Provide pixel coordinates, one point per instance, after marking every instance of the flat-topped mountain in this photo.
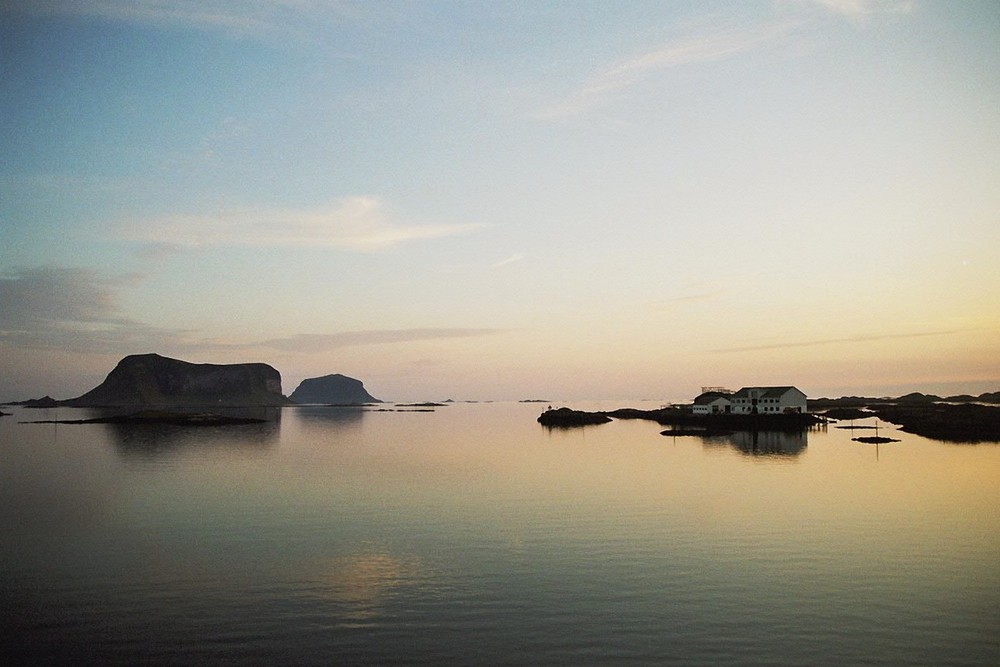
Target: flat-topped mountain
(149, 379)
(332, 390)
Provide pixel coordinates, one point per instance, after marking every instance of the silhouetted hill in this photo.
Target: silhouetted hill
(149, 379)
(917, 397)
(43, 402)
(333, 389)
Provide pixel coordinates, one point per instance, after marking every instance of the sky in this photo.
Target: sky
(504, 200)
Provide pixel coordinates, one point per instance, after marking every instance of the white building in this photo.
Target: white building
(768, 400)
(750, 400)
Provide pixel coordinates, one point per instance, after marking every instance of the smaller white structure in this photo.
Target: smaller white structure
(750, 400)
(712, 402)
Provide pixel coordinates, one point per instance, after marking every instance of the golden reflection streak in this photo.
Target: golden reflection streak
(360, 581)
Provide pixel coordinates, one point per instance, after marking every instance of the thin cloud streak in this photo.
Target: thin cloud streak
(862, 8)
(356, 223)
(710, 46)
(834, 341)
(72, 309)
(517, 257)
(273, 21)
(309, 343)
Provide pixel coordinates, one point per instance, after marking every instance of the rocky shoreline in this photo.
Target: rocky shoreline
(950, 422)
(682, 418)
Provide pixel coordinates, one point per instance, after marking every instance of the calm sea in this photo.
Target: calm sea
(472, 535)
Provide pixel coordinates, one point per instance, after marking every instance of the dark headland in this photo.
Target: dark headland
(144, 380)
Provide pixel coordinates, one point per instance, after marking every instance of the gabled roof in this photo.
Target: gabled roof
(767, 392)
(710, 397)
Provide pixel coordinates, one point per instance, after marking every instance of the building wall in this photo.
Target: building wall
(718, 406)
(794, 400)
(756, 397)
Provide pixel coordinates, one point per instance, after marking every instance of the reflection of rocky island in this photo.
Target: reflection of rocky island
(332, 390)
(761, 434)
(152, 380)
(161, 417)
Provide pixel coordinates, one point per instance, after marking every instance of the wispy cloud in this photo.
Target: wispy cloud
(72, 309)
(323, 342)
(718, 41)
(77, 309)
(709, 45)
(516, 257)
(270, 20)
(356, 223)
(860, 8)
(835, 341)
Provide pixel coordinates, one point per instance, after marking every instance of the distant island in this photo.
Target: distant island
(146, 380)
(333, 389)
(150, 379)
(167, 390)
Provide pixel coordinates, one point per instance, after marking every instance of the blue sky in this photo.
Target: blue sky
(504, 200)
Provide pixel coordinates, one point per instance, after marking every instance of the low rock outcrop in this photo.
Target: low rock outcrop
(152, 380)
(567, 418)
(333, 389)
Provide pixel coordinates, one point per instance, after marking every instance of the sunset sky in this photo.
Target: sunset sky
(504, 200)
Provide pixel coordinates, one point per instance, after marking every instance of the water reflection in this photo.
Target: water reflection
(762, 443)
(330, 416)
(361, 581)
(154, 440)
(150, 441)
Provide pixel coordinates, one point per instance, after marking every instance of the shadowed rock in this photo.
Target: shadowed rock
(149, 379)
(565, 418)
(332, 390)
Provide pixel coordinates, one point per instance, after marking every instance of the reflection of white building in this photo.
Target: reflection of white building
(751, 400)
(769, 442)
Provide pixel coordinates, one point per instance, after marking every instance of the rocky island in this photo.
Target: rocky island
(333, 389)
(567, 418)
(142, 380)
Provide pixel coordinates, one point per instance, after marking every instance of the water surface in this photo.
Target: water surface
(471, 534)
